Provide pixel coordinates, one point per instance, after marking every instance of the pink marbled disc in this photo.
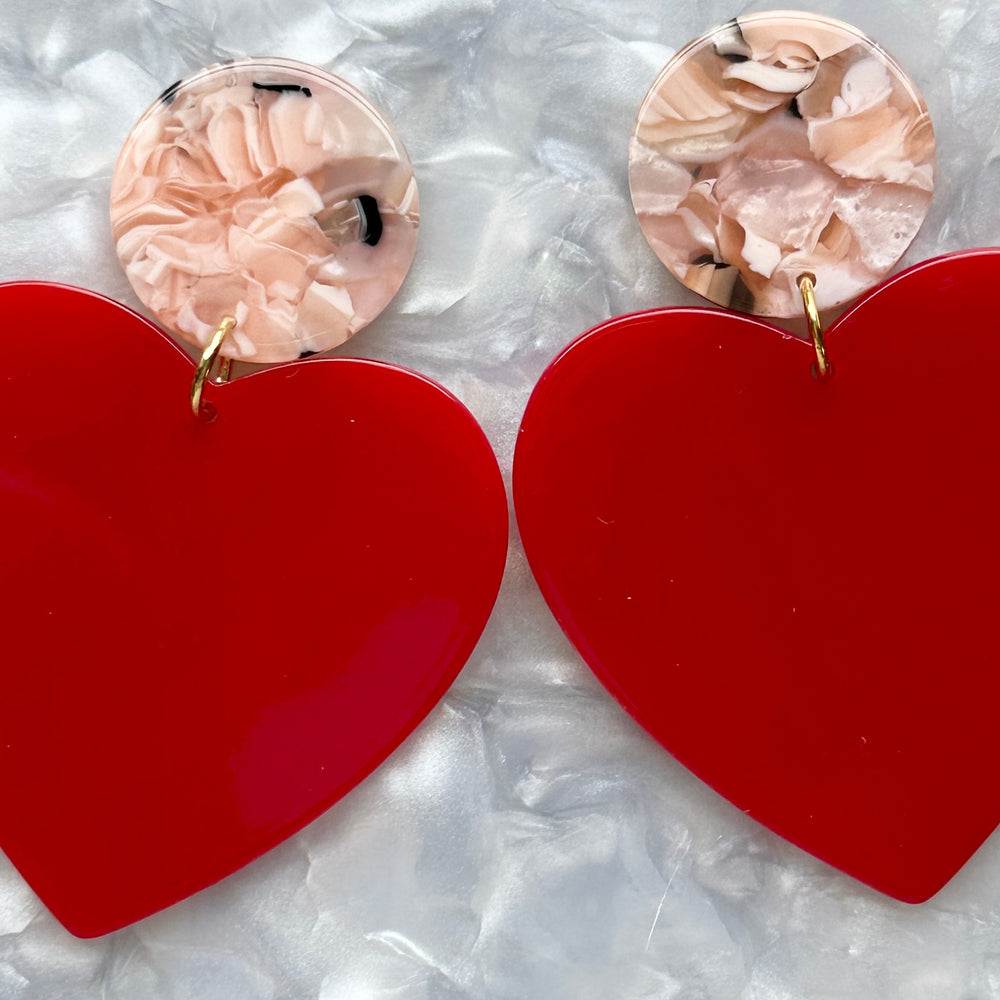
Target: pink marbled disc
(776, 145)
(247, 190)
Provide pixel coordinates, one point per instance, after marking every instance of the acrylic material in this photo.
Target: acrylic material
(214, 629)
(270, 191)
(777, 144)
(790, 583)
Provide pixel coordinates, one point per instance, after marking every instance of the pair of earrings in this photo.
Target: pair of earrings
(226, 607)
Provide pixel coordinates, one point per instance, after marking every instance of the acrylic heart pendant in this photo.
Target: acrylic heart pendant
(213, 630)
(791, 583)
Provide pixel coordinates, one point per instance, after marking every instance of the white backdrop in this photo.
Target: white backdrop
(529, 841)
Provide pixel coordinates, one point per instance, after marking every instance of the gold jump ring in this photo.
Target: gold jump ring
(807, 286)
(211, 352)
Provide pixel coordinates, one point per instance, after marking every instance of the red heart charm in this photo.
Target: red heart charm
(791, 583)
(213, 630)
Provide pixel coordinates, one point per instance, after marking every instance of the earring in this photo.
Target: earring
(778, 553)
(223, 608)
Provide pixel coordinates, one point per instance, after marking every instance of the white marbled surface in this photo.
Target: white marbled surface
(529, 841)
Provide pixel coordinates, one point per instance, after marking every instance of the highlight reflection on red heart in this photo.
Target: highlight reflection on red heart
(791, 583)
(213, 630)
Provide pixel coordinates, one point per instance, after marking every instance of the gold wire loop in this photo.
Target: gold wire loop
(807, 286)
(208, 357)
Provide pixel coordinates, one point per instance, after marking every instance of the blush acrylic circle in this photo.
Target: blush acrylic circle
(777, 145)
(269, 191)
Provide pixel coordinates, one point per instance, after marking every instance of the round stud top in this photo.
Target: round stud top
(269, 191)
(777, 145)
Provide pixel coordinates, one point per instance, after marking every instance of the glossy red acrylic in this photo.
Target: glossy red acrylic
(791, 583)
(213, 630)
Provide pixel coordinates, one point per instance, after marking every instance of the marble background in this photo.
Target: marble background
(529, 841)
